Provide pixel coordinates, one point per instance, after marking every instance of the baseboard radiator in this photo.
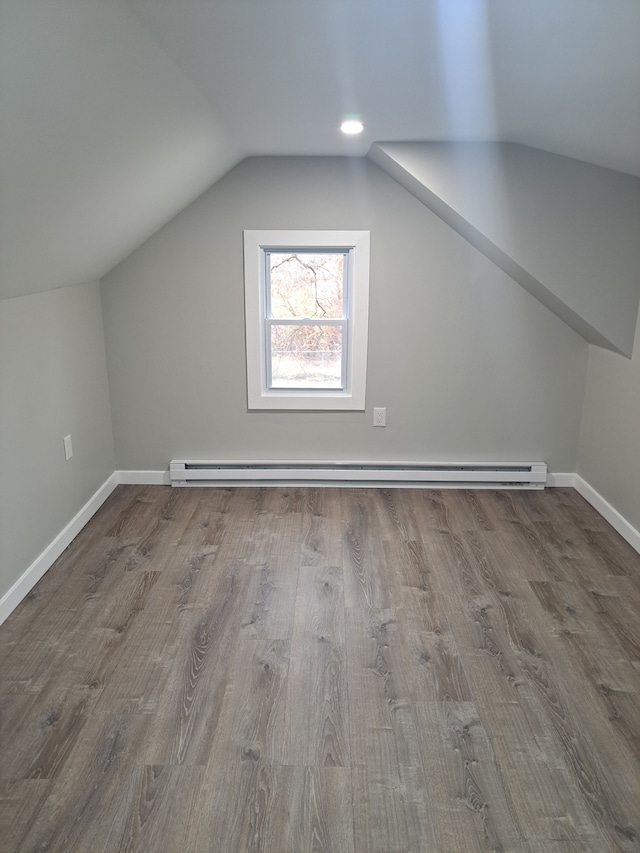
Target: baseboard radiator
(527, 475)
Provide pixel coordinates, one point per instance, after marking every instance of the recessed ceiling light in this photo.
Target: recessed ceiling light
(352, 126)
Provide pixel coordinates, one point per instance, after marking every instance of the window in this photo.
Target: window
(306, 303)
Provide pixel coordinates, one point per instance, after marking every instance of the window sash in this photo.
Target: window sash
(306, 389)
(343, 322)
(298, 250)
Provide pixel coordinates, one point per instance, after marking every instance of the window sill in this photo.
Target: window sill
(321, 401)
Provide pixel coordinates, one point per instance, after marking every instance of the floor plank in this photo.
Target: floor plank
(340, 670)
(317, 713)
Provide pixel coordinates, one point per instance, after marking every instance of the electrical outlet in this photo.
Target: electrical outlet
(68, 449)
(379, 417)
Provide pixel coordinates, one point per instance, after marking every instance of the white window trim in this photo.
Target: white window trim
(352, 398)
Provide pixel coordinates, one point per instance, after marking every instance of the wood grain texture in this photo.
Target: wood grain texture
(344, 670)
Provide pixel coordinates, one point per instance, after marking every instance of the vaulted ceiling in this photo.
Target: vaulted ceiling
(115, 114)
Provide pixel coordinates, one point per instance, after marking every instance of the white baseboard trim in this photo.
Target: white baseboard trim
(25, 583)
(560, 480)
(143, 478)
(608, 512)
(163, 478)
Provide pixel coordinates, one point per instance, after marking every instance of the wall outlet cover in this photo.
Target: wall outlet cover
(379, 417)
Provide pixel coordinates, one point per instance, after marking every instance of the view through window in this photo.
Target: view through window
(307, 296)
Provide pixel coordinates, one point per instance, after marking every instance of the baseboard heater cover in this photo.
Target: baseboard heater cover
(527, 475)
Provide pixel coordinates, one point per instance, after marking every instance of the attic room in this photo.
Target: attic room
(353, 629)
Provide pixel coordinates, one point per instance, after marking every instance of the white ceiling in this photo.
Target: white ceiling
(115, 114)
(557, 74)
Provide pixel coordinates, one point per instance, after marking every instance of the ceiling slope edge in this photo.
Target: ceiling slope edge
(565, 230)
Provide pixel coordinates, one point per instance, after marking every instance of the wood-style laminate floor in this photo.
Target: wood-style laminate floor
(298, 669)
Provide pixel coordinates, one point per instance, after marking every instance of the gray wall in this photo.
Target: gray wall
(53, 382)
(469, 366)
(609, 450)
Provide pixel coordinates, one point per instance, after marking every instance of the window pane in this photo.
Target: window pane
(306, 284)
(306, 356)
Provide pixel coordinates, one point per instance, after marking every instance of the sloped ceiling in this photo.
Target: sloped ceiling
(115, 114)
(562, 75)
(103, 138)
(566, 230)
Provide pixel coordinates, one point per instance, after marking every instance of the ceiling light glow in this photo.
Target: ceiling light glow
(352, 126)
